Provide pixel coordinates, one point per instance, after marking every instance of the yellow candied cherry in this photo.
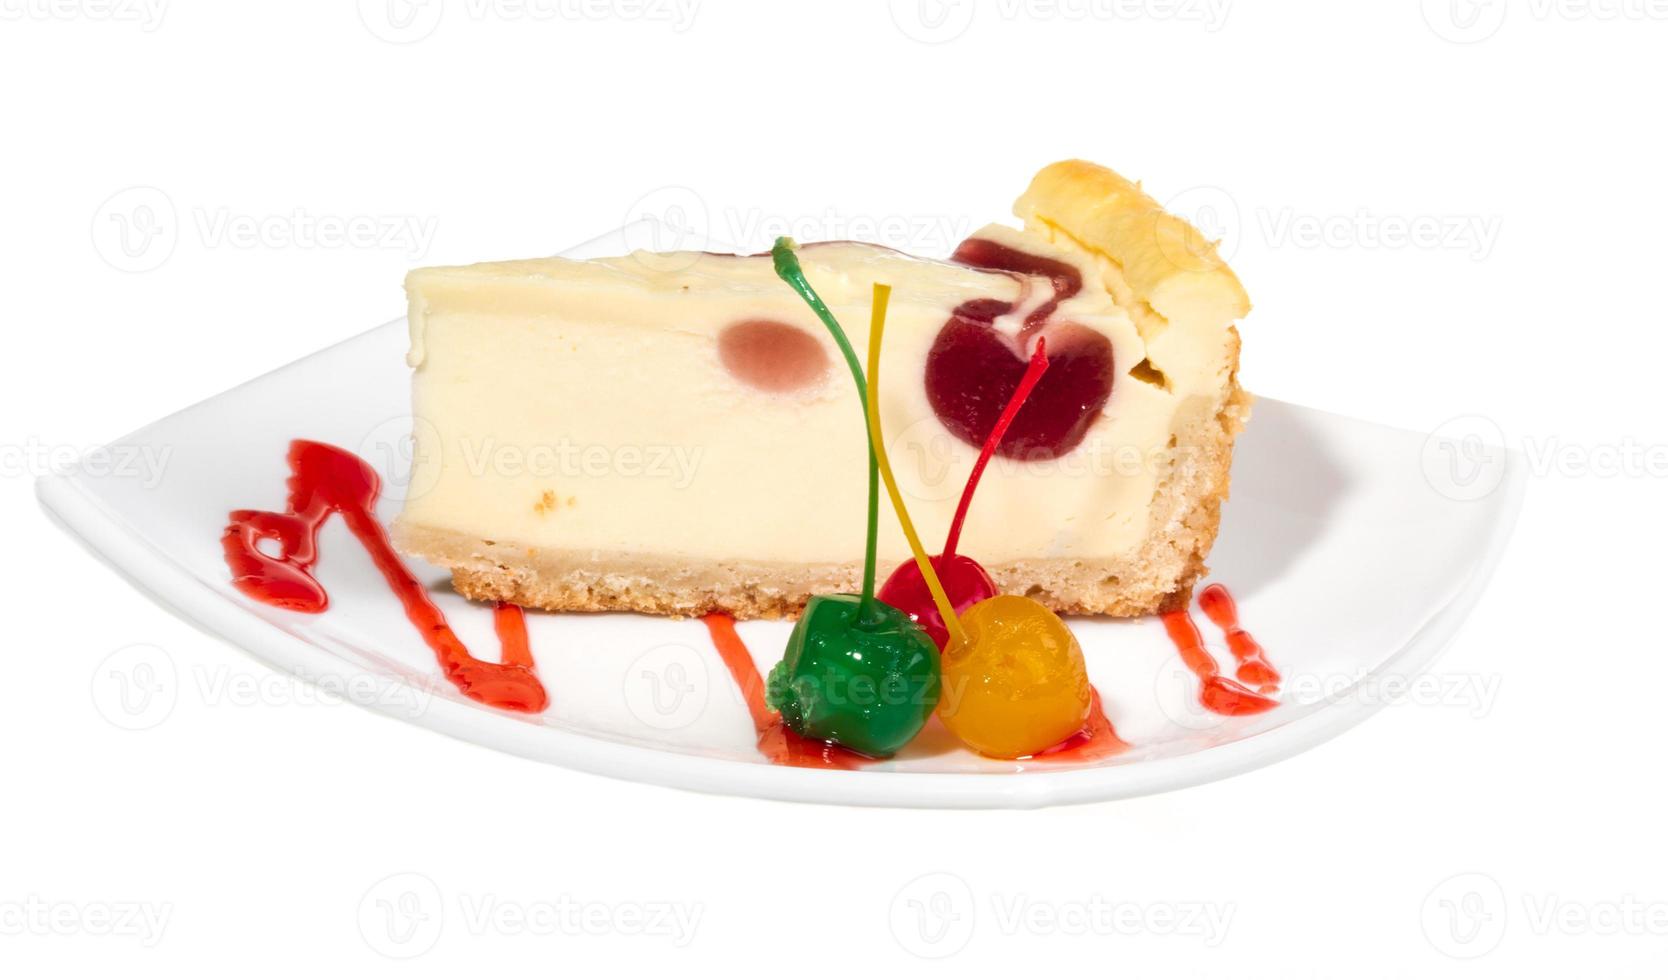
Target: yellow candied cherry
(1013, 679)
(1019, 684)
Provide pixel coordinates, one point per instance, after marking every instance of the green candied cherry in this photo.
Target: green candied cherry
(868, 684)
(856, 671)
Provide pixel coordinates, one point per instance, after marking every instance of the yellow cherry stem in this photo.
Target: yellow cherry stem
(877, 325)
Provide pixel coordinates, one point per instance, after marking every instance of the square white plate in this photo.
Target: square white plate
(1354, 550)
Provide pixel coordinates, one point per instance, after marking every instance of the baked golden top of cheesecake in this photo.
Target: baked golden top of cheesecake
(671, 433)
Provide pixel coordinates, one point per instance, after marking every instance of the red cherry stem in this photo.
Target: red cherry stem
(1033, 374)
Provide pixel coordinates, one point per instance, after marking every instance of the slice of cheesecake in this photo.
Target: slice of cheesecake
(673, 433)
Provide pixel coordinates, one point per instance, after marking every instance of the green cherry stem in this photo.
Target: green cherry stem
(789, 271)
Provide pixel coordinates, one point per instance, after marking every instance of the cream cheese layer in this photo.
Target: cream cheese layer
(595, 407)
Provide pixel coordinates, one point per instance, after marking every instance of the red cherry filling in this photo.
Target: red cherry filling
(974, 369)
(982, 253)
(771, 355)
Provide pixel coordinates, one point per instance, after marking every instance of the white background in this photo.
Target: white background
(1521, 143)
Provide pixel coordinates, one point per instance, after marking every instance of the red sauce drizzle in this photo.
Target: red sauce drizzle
(779, 744)
(1222, 695)
(1097, 740)
(1254, 669)
(325, 480)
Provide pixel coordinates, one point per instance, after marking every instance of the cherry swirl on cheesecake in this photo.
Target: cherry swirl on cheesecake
(974, 368)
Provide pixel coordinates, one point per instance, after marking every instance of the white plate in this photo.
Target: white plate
(1354, 550)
